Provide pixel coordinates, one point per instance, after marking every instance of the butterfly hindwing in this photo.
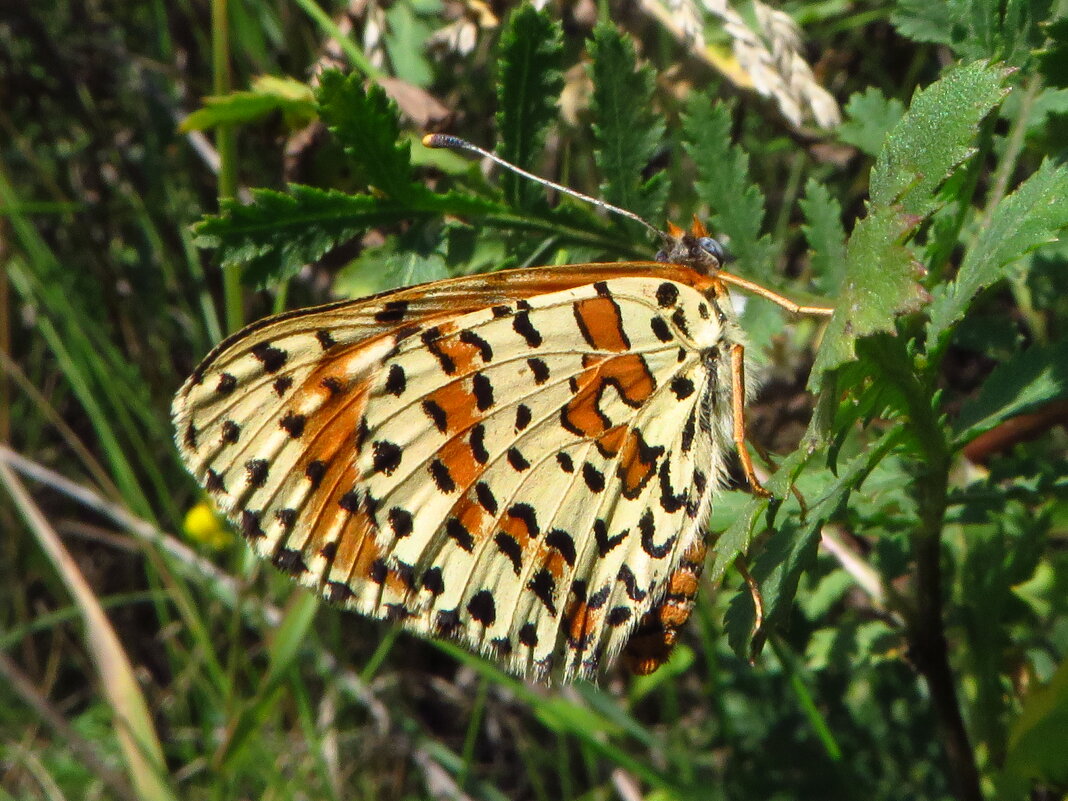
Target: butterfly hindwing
(516, 460)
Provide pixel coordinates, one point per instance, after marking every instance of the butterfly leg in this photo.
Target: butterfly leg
(758, 634)
(656, 634)
(738, 399)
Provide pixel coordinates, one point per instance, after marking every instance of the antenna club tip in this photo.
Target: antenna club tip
(431, 140)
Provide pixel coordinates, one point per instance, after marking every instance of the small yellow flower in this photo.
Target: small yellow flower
(202, 524)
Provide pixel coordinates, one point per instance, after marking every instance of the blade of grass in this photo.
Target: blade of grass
(133, 722)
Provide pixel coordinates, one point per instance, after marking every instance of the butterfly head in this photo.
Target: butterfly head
(693, 248)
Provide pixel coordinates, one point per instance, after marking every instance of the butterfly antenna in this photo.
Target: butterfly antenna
(450, 142)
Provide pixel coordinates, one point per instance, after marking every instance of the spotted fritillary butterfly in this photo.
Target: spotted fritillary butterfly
(523, 461)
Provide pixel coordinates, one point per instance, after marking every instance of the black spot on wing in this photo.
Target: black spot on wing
(482, 608)
(563, 542)
(661, 329)
(400, 520)
(458, 532)
(522, 416)
(469, 337)
(605, 544)
(350, 501)
(526, 513)
(293, 424)
(273, 359)
(387, 457)
(682, 387)
(510, 547)
(290, 561)
(679, 319)
(517, 460)
(315, 471)
(522, 326)
(528, 635)
(325, 338)
(485, 497)
(227, 384)
(483, 389)
(540, 370)
(250, 525)
(543, 585)
(433, 582)
(213, 482)
(593, 477)
(282, 384)
(392, 311)
(231, 432)
(437, 415)
(667, 294)
(647, 527)
(443, 479)
(617, 616)
(626, 577)
(478, 443)
(396, 380)
(257, 470)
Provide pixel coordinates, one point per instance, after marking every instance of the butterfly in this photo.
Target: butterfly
(522, 461)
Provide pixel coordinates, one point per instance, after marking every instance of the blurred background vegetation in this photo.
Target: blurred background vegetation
(146, 654)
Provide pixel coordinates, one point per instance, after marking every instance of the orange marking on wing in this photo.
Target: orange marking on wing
(457, 456)
(655, 636)
(458, 405)
(553, 561)
(612, 440)
(462, 354)
(601, 324)
(581, 623)
(474, 518)
(582, 415)
(357, 549)
(630, 376)
(517, 528)
(634, 470)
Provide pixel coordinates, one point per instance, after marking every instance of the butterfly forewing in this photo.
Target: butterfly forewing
(518, 460)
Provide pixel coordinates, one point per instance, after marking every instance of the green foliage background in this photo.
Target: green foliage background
(916, 629)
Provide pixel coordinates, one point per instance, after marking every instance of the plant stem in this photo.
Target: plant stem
(925, 630)
(226, 145)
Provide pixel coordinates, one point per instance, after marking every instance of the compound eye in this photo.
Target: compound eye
(713, 248)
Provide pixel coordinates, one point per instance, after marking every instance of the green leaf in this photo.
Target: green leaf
(739, 534)
(627, 132)
(921, 151)
(723, 182)
(924, 21)
(974, 29)
(365, 123)
(869, 116)
(1028, 218)
(825, 235)
(268, 94)
(530, 81)
(935, 135)
(277, 233)
(789, 552)
(1035, 377)
(1036, 742)
(880, 285)
(1053, 58)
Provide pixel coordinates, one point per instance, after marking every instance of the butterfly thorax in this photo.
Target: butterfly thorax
(694, 249)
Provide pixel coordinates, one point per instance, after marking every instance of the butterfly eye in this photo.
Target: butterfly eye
(713, 248)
